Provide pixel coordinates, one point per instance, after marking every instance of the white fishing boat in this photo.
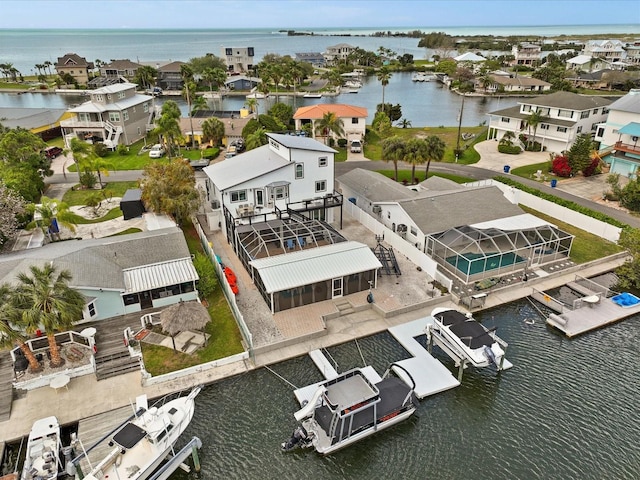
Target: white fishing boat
(256, 95)
(42, 459)
(312, 95)
(423, 77)
(350, 407)
(468, 338)
(144, 442)
(353, 84)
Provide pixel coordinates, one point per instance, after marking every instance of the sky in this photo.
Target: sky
(312, 13)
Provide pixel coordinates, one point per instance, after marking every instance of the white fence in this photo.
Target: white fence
(399, 244)
(222, 281)
(564, 214)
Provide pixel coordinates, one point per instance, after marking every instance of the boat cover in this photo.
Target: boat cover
(129, 436)
(472, 333)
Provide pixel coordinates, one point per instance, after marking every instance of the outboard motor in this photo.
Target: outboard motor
(491, 356)
(299, 438)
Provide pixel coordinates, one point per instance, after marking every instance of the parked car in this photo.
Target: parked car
(52, 152)
(157, 151)
(356, 146)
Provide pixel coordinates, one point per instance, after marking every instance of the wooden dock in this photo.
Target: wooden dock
(92, 429)
(590, 317)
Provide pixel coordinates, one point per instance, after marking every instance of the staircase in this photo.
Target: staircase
(113, 356)
(343, 306)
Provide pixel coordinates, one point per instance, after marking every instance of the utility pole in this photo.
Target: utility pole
(460, 127)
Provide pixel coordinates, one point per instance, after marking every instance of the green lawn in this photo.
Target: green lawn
(449, 135)
(79, 197)
(406, 175)
(530, 171)
(586, 246)
(225, 337)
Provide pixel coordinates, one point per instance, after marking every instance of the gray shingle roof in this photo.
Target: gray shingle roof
(375, 187)
(514, 112)
(438, 213)
(568, 100)
(629, 103)
(99, 262)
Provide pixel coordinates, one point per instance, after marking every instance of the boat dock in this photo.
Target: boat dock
(429, 374)
(590, 316)
(93, 430)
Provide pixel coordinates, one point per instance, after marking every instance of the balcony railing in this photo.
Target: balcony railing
(331, 200)
(73, 123)
(626, 147)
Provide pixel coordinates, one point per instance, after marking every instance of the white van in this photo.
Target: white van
(356, 146)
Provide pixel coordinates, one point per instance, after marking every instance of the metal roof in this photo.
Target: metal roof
(300, 143)
(244, 167)
(307, 267)
(632, 128)
(629, 103)
(148, 277)
(517, 222)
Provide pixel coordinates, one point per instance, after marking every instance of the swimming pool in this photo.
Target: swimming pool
(472, 263)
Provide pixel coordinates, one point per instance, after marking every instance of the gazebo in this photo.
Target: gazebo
(180, 319)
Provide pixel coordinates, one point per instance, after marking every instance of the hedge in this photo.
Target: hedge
(510, 149)
(561, 201)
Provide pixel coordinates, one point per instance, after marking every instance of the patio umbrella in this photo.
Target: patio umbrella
(183, 316)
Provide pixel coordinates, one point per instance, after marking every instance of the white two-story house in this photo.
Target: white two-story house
(276, 204)
(238, 59)
(526, 54)
(565, 115)
(116, 114)
(620, 135)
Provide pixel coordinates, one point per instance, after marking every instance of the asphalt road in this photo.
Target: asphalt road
(463, 170)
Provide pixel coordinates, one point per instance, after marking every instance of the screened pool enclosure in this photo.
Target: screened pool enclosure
(472, 253)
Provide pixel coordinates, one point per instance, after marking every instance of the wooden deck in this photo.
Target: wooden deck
(6, 386)
(93, 429)
(590, 317)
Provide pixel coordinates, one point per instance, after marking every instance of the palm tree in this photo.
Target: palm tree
(146, 76)
(45, 298)
(168, 127)
(330, 123)
(9, 334)
(535, 118)
(81, 152)
(393, 148)
(435, 151)
(251, 104)
(257, 138)
(404, 123)
(416, 153)
(384, 75)
(212, 129)
(214, 77)
(51, 210)
(199, 103)
(48, 65)
(187, 77)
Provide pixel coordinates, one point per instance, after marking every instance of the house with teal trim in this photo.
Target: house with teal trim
(116, 275)
(619, 137)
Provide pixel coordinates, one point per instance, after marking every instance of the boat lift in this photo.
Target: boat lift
(387, 257)
(459, 357)
(175, 462)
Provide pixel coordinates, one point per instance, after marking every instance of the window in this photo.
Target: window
(321, 185)
(505, 120)
(139, 131)
(134, 109)
(299, 171)
(584, 114)
(125, 115)
(250, 52)
(130, 299)
(414, 231)
(145, 107)
(565, 113)
(544, 126)
(114, 116)
(259, 198)
(600, 131)
(280, 192)
(91, 308)
(579, 130)
(561, 129)
(323, 162)
(354, 121)
(228, 51)
(526, 108)
(99, 98)
(239, 196)
(595, 111)
(543, 111)
(121, 94)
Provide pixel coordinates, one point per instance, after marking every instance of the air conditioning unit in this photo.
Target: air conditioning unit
(215, 204)
(377, 209)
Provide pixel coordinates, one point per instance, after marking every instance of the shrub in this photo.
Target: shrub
(88, 179)
(509, 149)
(207, 273)
(210, 153)
(560, 166)
(122, 150)
(593, 168)
(342, 142)
(100, 149)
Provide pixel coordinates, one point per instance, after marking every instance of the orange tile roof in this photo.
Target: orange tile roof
(341, 111)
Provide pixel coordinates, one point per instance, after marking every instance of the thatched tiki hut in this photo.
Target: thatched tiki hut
(184, 316)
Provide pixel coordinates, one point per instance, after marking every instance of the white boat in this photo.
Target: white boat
(353, 84)
(349, 90)
(256, 95)
(42, 459)
(468, 337)
(423, 77)
(312, 95)
(348, 408)
(143, 443)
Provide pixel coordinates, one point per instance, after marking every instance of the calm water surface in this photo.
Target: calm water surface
(568, 409)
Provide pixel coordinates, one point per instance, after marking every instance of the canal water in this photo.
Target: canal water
(568, 409)
(423, 103)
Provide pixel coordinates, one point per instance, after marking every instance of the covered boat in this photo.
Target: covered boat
(143, 443)
(348, 408)
(42, 460)
(468, 338)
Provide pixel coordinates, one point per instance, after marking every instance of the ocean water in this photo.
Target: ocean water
(25, 48)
